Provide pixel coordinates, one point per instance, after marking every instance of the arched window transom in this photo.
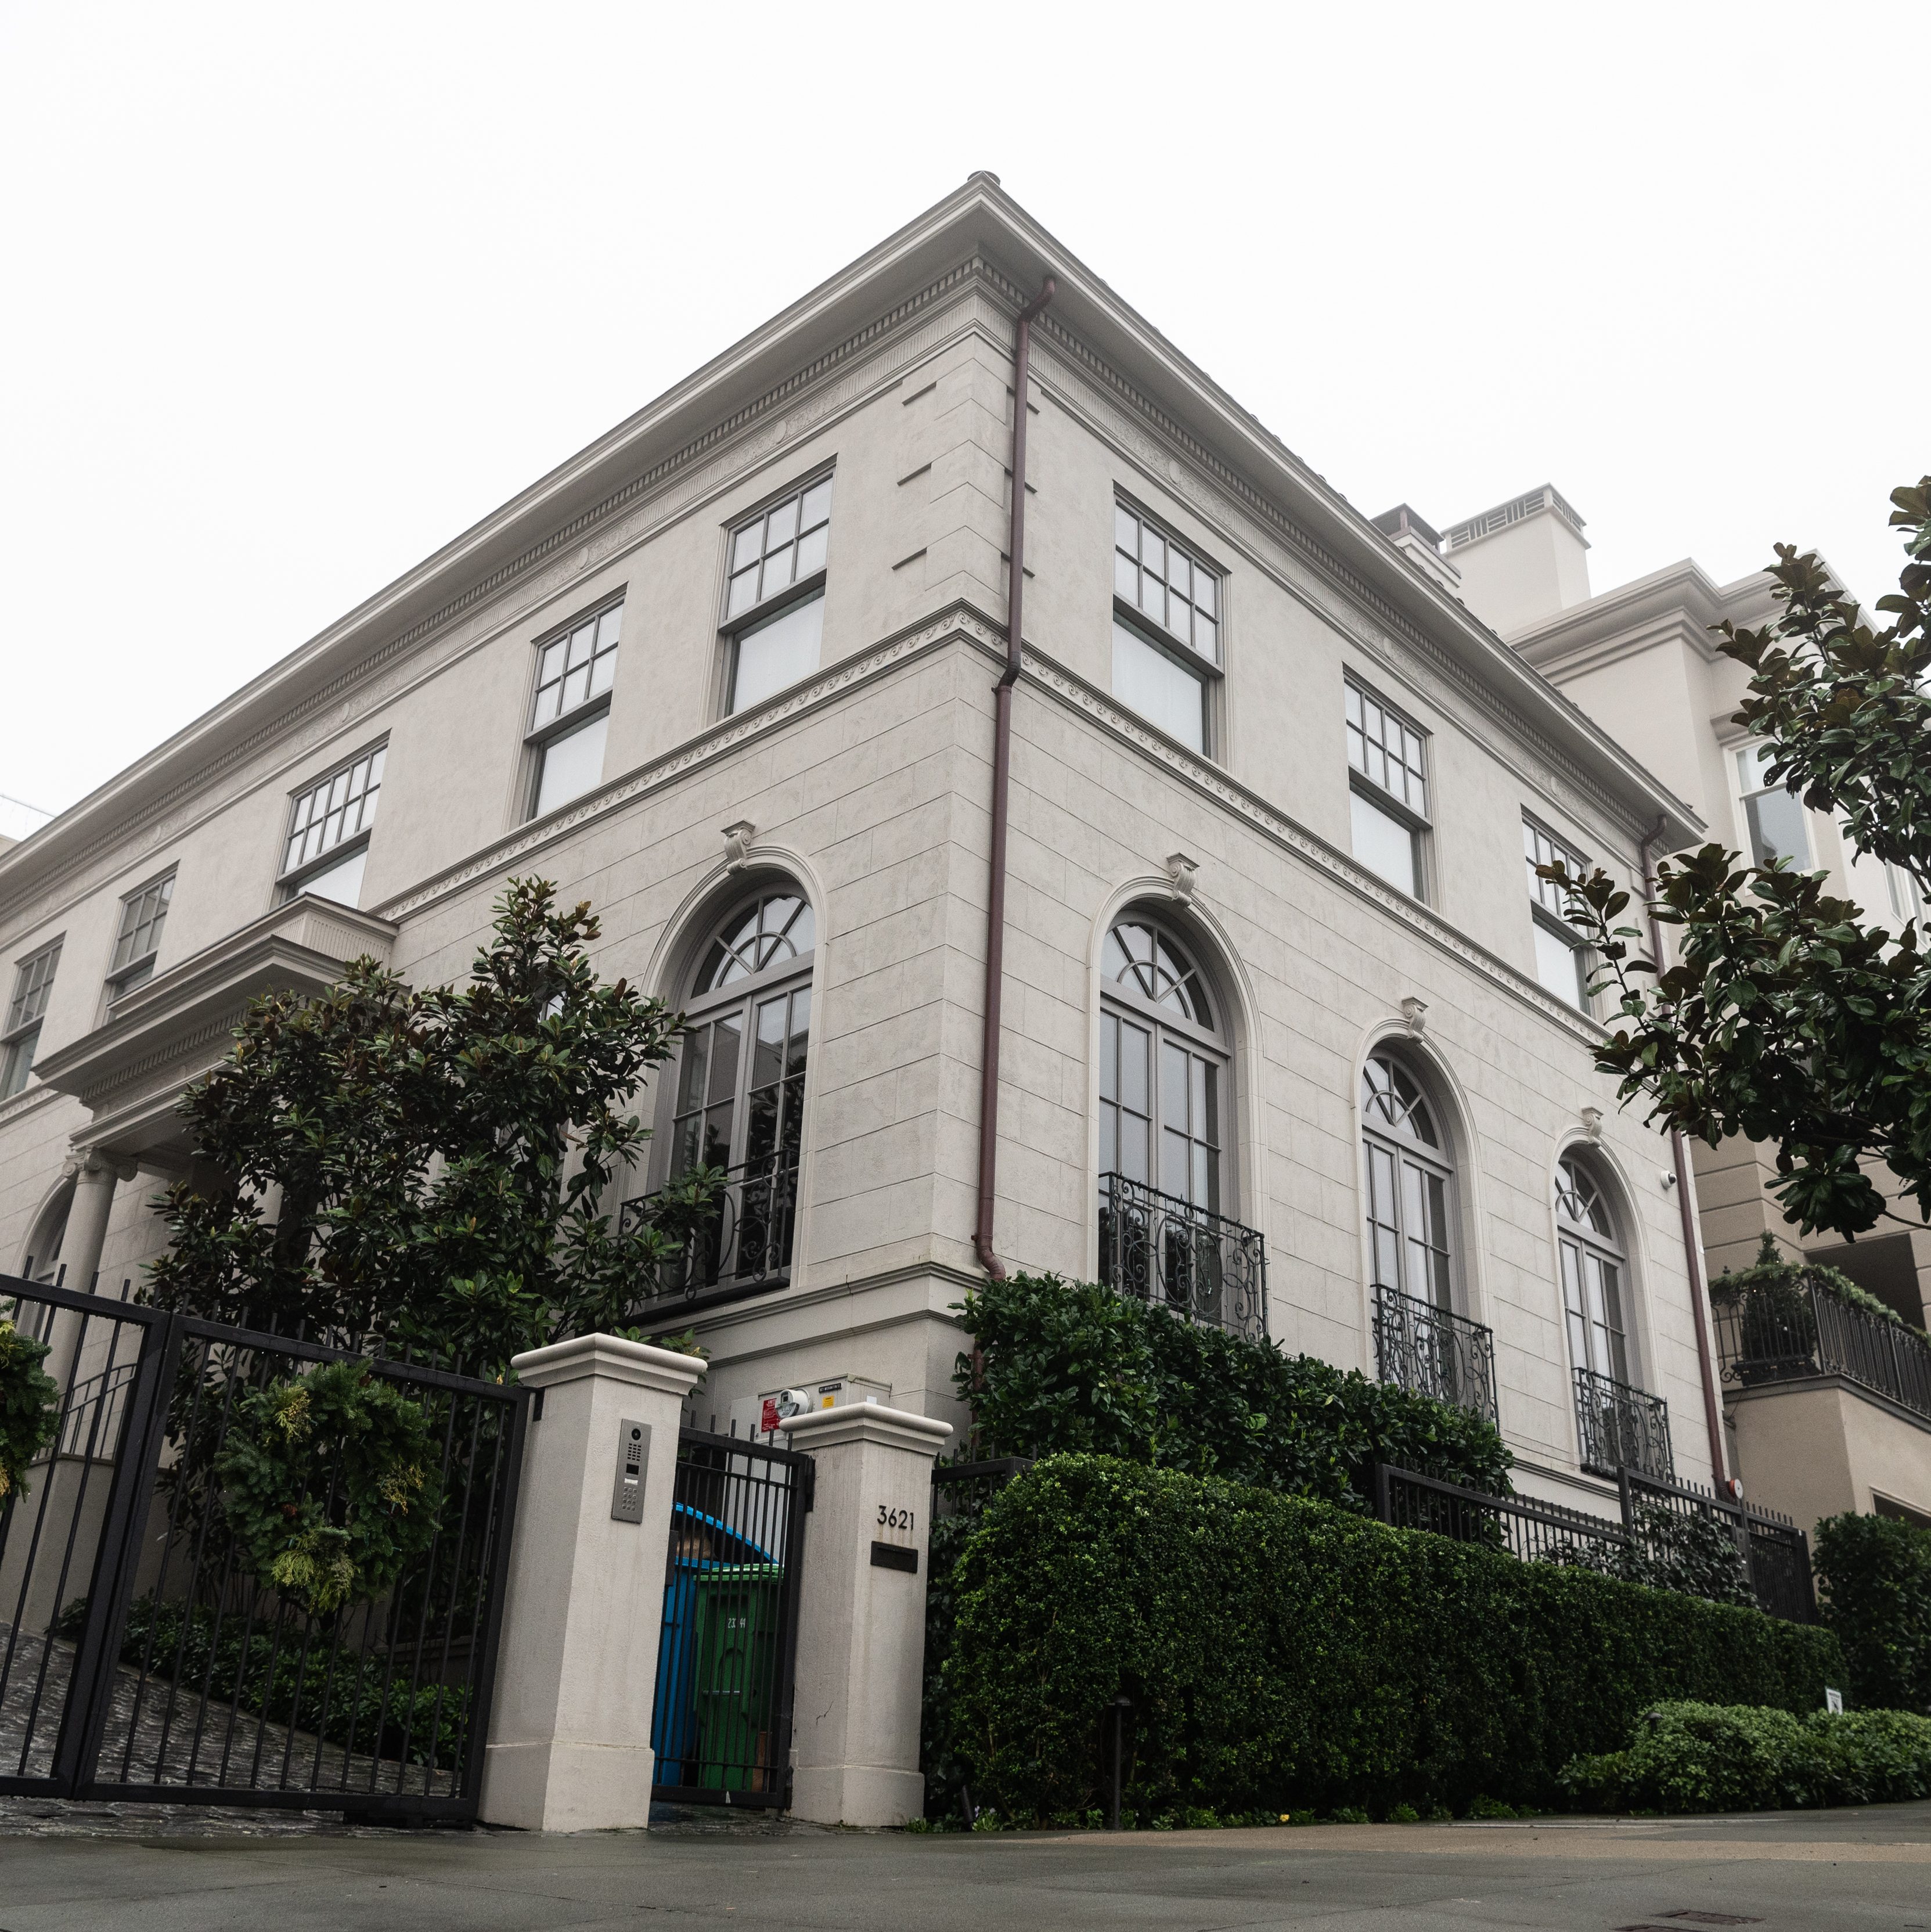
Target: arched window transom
(773, 931)
(1411, 1182)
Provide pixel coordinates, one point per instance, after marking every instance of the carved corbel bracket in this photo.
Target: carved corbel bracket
(1182, 874)
(737, 841)
(1415, 1016)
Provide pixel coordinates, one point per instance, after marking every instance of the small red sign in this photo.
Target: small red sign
(771, 1418)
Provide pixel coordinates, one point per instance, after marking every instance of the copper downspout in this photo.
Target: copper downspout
(1002, 785)
(1693, 1254)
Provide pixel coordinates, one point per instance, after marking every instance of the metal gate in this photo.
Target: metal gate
(721, 1726)
(143, 1654)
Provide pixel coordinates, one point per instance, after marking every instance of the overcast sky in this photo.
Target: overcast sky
(293, 295)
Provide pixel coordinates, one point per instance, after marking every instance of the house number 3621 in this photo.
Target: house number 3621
(894, 1519)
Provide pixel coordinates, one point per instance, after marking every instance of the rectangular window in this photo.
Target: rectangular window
(1774, 816)
(327, 839)
(1388, 785)
(774, 598)
(570, 715)
(1561, 961)
(143, 915)
(1155, 683)
(1166, 582)
(33, 981)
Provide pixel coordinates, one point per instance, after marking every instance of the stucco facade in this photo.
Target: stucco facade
(863, 786)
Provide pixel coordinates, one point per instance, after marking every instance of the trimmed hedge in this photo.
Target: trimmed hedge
(1283, 1654)
(1875, 1571)
(1710, 1757)
(1066, 1367)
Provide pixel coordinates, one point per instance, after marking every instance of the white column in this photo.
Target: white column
(861, 1615)
(569, 1744)
(95, 1174)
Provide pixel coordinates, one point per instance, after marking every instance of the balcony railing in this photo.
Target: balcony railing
(1162, 1250)
(741, 1245)
(1432, 1352)
(1622, 1428)
(1789, 1330)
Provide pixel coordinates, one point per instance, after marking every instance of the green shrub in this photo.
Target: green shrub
(1065, 1367)
(1711, 1757)
(1875, 1571)
(1285, 1654)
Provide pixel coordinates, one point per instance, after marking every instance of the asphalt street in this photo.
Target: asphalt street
(1787, 1872)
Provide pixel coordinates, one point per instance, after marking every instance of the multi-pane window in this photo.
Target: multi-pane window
(1161, 1063)
(33, 981)
(1592, 1273)
(570, 715)
(1410, 1176)
(1561, 961)
(143, 915)
(1774, 817)
(1175, 626)
(771, 555)
(329, 825)
(1387, 788)
(738, 1103)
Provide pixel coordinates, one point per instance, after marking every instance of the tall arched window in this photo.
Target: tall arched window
(1592, 1272)
(738, 1100)
(1164, 1168)
(1162, 1061)
(1410, 1178)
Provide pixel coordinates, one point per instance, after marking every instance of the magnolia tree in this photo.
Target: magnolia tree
(1791, 1017)
(433, 1169)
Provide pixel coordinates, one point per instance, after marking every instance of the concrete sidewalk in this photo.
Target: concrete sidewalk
(1786, 1872)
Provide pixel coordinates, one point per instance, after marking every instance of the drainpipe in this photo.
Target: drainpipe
(1693, 1254)
(1002, 785)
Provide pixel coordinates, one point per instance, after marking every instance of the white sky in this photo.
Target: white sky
(289, 296)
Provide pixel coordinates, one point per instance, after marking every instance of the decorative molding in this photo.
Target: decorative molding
(737, 845)
(1415, 1016)
(1183, 873)
(1592, 1124)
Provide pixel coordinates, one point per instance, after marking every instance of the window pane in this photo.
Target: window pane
(1126, 530)
(1777, 830)
(572, 764)
(743, 592)
(1136, 1044)
(1557, 964)
(1109, 1058)
(748, 546)
(1382, 842)
(781, 525)
(812, 550)
(1126, 578)
(342, 882)
(818, 507)
(1161, 691)
(778, 653)
(609, 626)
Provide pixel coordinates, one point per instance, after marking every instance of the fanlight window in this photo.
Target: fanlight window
(1142, 960)
(1410, 1178)
(769, 932)
(1592, 1272)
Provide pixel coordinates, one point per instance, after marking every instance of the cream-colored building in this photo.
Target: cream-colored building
(1641, 660)
(1271, 945)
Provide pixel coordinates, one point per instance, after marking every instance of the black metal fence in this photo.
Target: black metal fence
(1779, 1331)
(1158, 1248)
(1435, 1352)
(1673, 1534)
(721, 1726)
(741, 1246)
(1622, 1427)
(152, 1647)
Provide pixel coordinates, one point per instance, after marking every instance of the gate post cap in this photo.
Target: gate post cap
(637, 1363)
(867, 1422)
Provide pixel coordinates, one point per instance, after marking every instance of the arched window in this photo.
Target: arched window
(1592, 1272)
(1162, 1066)
(1410, 1180)
(738, 1099)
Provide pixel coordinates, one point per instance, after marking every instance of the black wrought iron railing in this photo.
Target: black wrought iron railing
(741, 1245)
(1162, 1250)
(1621, 1427)
(1790, 1330)
(1434, 1352)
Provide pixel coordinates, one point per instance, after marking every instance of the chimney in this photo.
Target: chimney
(1521, 562)
(1421, 545)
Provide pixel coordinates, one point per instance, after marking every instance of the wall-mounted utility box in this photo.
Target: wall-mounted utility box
(763, 1415)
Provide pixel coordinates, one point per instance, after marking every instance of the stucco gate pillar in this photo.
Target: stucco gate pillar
(861, 1615)
(569, 1743)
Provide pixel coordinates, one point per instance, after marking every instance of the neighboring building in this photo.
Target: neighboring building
(1274, 1033)
(1849, 1425)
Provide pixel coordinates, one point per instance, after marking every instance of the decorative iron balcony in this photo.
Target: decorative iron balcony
(1159, 1249)
(742, 1245)
(1789, 1330)
(1433, 1352)
(1622, 1428)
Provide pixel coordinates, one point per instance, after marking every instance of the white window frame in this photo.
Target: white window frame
(1207, 667)
(1419, 822)
(26, 1008)
(1545, 900)
(294, 880)
(801, 587)
(1740, 798)
(124, 975)
(540, 736)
